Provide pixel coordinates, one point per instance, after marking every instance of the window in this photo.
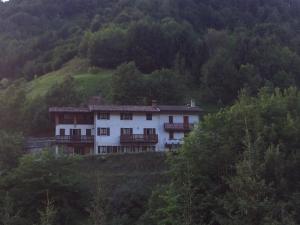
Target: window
(170, 119)
(171, 135)
(103, 116)
(75, 132)
(148, 116)
(149, 131)
(103, 132)
(102, 149)
(126, 131)
(62, 132)
(88, 132)
(126, 116)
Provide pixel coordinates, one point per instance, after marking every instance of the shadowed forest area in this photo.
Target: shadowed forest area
(240, 61)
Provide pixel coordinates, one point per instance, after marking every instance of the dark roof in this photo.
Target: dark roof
(178, 108)
(69, 109)
(123, 108)
(128, 108)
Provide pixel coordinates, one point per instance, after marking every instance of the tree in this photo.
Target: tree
(9, 215)
(11, 149)
(41, 173)
(127, 85)
(63, 94)
(237, 174)
(97, 211)
(165, 86)
(49, 213)
(107, 47)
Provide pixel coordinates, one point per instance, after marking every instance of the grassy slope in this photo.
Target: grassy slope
(89, 83)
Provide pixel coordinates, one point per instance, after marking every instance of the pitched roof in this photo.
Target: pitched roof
(178, 108)
(69, 109)
(127, 108)
(123, 108)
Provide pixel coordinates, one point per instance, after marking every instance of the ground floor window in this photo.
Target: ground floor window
(125, 149)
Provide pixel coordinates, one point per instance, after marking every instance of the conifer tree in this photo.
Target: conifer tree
(97, 210)
(47, 216)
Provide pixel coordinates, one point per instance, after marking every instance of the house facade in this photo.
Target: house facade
(105, 129)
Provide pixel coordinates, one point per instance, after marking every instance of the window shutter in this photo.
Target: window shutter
(108, 131)
(98, 131)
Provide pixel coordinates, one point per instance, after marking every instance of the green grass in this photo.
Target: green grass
(95, 84)
(90, 84)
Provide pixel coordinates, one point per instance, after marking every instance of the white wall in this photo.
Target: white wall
(68, 127)
(138, 123)
(178, 136)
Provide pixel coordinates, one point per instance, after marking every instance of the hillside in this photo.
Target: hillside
(217, 47)
(238, 166)
(72, 182)
(127, 181)
(86, 82)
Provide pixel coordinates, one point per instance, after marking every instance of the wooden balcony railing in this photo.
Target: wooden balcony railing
(74, 139)
(79, 121)
(139, 139)
(178, 126)
(66, 121)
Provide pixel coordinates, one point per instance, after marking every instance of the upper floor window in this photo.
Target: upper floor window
(62, 132)
(103, 131)
(126, 116)
(75, 132)
(171, 119)
(149, 131)
(88, 132)
(126, 131)
(149, 116)
(103, 116)
(171, 135)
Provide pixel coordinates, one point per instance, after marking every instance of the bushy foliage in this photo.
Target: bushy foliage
(237, 167)
(130, 86)
(208, 42)
(11, 149)
(45, 178)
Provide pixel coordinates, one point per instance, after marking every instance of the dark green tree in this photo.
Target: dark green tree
(237, 166)
(11, 149)
(46, 173)
(127, 85)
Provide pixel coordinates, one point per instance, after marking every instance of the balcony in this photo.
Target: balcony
(178, 127)
(139, 139)
(79, 121)
(74, 139)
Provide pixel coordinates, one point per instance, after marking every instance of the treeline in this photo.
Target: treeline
(219, 47)
(30, 117)
(239, 167)
(47, 189)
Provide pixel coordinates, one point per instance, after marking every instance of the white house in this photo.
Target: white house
(103, 129)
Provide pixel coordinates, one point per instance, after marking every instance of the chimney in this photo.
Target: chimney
(154, 103)
(193, 103)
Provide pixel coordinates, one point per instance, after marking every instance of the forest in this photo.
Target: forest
(240, 60)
